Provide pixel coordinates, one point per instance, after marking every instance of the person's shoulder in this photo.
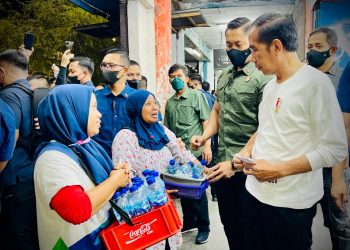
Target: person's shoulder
(314, 76)
(5, 109)
(226, 72)
(171, 98)
(168, 132)
(53, 147)
(102, 92)
(126, 133)
(53, 152)
(195, 92)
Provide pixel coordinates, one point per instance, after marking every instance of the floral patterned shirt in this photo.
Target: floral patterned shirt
(126, 148)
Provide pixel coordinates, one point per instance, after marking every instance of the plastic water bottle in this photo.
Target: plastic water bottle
(155, 174)
(115, 198)
(142, 186)
(173, 167)
(187, 169)
(123, 201)
(135, 179)
(156, 195)
(146, 172)
(197, 170)
(138, 202)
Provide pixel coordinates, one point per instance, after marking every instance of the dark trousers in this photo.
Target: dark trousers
(195, 213)
(214, 150)
(18, 228)
(335, 220)
(275, 228)
(230, 194)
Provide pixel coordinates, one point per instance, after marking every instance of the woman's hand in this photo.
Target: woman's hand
(121, 174)
(172, 192)
(180, 143)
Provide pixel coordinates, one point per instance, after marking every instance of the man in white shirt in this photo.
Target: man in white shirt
(299, 133)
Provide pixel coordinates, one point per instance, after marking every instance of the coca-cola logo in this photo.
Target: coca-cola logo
(143, 230)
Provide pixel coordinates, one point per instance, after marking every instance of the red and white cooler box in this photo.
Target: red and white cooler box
(150, 228)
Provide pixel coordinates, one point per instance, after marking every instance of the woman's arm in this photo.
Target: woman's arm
(125, 149)
(181, 155)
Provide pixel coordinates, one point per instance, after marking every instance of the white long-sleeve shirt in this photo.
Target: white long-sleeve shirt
(308, 121)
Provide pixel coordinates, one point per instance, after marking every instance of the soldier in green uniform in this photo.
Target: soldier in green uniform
(235, 117)
(186, 114)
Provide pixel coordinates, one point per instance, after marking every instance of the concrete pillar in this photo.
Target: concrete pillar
(162, 24)
(180, 47)
(205, 71)
(141, 32)
(309, 20)
(123, 20)
(173, 48)
(299, 19)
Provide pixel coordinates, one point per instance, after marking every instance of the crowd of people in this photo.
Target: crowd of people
(67, 144)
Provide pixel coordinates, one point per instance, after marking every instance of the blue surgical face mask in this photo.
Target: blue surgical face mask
(177, 84)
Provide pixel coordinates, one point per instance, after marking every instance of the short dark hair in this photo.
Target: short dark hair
(37, 76)
(206, 86)
(238, 22)
(85, 62)
(176, 67)
(196, 77)
(274, 25)
(121, 52)
(143, 82)
(132, 62)
(143, 78)
(15, 58)
(52, 80)
(332, 37)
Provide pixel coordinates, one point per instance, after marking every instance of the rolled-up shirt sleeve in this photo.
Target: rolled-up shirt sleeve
(328, 128)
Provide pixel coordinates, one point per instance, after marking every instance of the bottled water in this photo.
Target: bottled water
(115, 198)
(156, 194)
(187, 169)
(173, 167)
(138, 201)
(135, 179)
(146, 172)
(155, 174)
(143, 188)
(197, 170)
(123, 201)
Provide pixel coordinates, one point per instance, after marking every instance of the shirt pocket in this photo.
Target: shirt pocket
(221, 88)
(244, 97)
(186, 114)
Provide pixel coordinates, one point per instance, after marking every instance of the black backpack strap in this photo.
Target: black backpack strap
(39, 94)
(25, 142)
(120, 211)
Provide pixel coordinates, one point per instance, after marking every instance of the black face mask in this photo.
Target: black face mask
(238, 57)
(133, 83)
(110, 77)
(316, 59)
(73, 80)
